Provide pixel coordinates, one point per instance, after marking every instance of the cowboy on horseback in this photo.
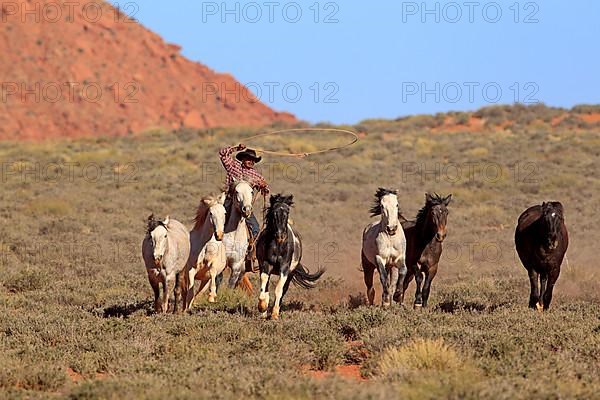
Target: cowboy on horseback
(242, 168)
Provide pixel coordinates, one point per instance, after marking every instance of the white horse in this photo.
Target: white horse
(236, 233)
(207, 255)
(165, 251)
(384, 246)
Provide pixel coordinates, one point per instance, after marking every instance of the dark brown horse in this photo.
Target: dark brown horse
(542, 239)
(424, 238)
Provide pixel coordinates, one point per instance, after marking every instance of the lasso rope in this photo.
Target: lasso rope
(302, 155)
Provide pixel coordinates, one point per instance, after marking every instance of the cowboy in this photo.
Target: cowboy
(242, 167)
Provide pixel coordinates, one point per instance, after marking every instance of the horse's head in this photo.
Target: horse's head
(386, 205)
(242, 192)
(278, 215)
(552, 217)
(438, 213)
(158, 232)
(216, 216)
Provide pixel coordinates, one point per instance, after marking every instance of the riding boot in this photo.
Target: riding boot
(253, 230)
(251, 266)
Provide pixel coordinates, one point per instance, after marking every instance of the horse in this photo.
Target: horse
(236, 237)
(279, 252)
(165, 251)
(424, 238)
(384, 246)
(207, 255)
(541, 239)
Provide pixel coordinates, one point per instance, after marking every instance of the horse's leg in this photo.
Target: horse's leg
(156, 289)
(431, 272)
(184, 289)
(368, 271)
(200, 286)
(407, 279)
(543, 283)
(383, 276)
(286, 286)
(245, 283)
(167, 287)
(263, 297)
(189, 290)
(394, 273)
(534, 296)
(418, 282)
(279, 294)
(212, 297)
(219, 280)
(236, 271)
(178, 283)
(402, 271)
(552, 278)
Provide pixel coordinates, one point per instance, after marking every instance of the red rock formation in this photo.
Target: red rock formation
(71, 69)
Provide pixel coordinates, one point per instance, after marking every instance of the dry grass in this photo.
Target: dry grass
(74, 295)
(419, 356)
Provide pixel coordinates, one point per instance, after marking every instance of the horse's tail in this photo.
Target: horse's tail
(303, 278)
(246, 285)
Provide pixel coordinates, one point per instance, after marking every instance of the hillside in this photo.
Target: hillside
(87, 70)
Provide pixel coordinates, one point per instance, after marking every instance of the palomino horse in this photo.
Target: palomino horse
(384, 246)
(424, 238)
(542, 239)
(207, 255)
(165, 251)
(236, 233)
(279, 251)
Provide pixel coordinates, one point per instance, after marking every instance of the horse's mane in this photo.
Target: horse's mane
(202, 211)
(153, 223)
(431, 201)
(231, 187)
(276, 200)
(229, 190)
(376, 207)
(534, 213)
(529, 216)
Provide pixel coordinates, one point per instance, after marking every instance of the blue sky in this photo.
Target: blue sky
(343, 62)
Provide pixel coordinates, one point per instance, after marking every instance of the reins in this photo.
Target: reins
(264, 209)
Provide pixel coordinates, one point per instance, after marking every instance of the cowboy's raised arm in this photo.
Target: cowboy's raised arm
(225, 155)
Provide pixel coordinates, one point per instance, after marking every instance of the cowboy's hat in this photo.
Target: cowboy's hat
(248, 154)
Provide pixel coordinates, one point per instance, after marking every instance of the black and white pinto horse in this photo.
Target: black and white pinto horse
(279, 252)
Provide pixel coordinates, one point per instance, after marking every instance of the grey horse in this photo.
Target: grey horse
(165, 250)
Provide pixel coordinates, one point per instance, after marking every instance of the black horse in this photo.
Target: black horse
(542, 239)
(279, 252)
(424, 239)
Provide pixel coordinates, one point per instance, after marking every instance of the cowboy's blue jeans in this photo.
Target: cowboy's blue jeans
(253, 225)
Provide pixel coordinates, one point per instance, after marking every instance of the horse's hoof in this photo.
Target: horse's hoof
(212, 299)
(386, 304)
(262, 305)
(539, 306)
(275, 313)
(418, 306)
(264, 315)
